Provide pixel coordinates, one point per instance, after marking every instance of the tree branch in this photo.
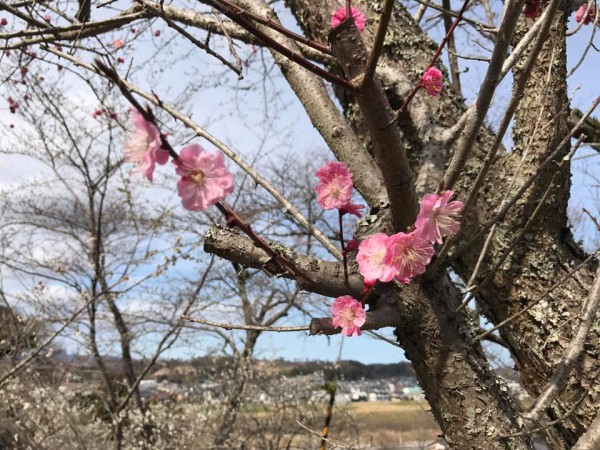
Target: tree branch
(378, 117)
(386, 316)
(327, 277)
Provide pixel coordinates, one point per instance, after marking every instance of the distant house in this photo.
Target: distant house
(413, 393)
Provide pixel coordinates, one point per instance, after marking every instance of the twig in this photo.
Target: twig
(525, 228)
(569, 413)
(229, 326)
(385, 316)
(277, 27)
(550, 159)
(237, 70)
(537, 300)
(245, 23)
(593, 219)
(454, 70)
(565, 366)
(233, 220)
(329, 441)
(482, 28)
(470, 286)
(259, 179)
(420, 13)
(343, 245)
(146, 113)
(384, 22)
(486, 92)
(435, 57)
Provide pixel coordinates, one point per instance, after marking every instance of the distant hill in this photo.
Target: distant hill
(210, 367)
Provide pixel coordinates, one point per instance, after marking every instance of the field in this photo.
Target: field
(390, 424)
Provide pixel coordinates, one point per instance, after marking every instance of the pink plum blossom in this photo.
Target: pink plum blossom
(408, 254)
(587, 15)
(432, 81)
(335, 185)
(144, 146)
(340, 15)
(204, 178)
(117, 44)
(438, 217)
(371, 259)
(47, 18)
(348, 314)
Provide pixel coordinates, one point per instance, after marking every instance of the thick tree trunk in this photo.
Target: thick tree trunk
(537, 339)
(546, 255)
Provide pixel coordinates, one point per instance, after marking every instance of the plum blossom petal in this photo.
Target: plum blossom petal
(333, 169)
(335, 186)
(339, 16)
(353, 208)
(371, 259)
(348, 314)
(408, 254)
(144, 146)
(204, 178)
(585, 14)
(438, 217)
(432, 81)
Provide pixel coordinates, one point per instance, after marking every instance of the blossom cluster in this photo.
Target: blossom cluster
(399, 257)
(204, 178)
(402, 256)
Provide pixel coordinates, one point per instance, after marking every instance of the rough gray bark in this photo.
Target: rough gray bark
(549, 253)
(407, 49)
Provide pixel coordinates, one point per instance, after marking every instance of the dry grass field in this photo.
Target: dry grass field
(390, 424)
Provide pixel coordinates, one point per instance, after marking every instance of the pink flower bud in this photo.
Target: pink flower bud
(432, 81)
(352, 245)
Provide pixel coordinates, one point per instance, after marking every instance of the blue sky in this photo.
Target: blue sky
(238, 118)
